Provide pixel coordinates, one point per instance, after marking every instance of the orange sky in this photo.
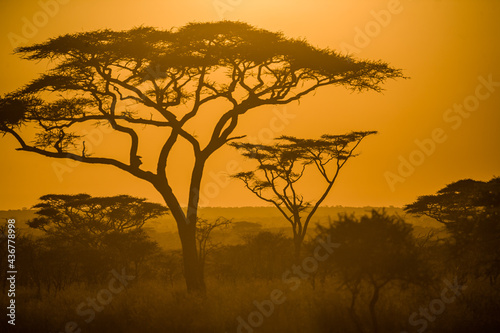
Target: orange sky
(449, 48)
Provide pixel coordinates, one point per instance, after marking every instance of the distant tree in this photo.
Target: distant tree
(205, 243)
(131, 248)
(160, 80)
(264, 255)
(375, 251)
(87, 236)
(470, 211)
(53, 264)
(41, 268)
(460, 200)
(84, 219)
(281, 165)
(169, 264)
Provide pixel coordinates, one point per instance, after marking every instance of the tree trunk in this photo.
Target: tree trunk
(352, 310)
(297, 244)
(297, 237)
(373, 302)
(193, 273)
(186, 227)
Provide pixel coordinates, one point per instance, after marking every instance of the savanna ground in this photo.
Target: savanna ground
(242, 275)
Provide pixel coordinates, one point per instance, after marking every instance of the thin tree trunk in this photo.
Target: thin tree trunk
(297, 244)
(352, 310)
(373, 302)
(297, 237)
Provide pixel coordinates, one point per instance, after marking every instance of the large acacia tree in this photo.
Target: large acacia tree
(171, 76)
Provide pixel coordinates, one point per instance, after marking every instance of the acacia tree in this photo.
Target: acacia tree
(470, 211)
(86, 235)
(84, 219)
(170, 76)
(465, 199)
(280, 167)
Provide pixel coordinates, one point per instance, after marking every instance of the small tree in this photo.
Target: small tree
(204, 241)
(280, 167)
(375, 250)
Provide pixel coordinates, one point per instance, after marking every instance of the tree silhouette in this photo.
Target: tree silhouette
(470, 211)
(87, 220)
(203, 239)
(85, 237)
(169, 76)
(375, 250)
(281, 165)
(460, 200)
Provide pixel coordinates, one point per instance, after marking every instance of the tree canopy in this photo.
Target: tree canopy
(465, 199)
(84, 219)
(163, 69)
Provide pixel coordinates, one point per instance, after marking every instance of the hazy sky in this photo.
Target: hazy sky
(448, 48)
